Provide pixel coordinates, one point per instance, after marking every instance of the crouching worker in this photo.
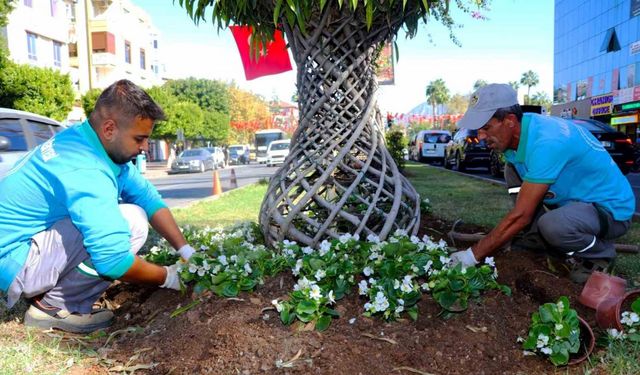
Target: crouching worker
(74, 212)
(568, 190)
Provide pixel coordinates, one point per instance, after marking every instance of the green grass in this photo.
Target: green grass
(621, 358)
(238, 205)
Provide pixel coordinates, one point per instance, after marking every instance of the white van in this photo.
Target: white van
(429, 145)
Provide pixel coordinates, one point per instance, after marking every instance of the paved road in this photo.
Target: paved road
(182, 189)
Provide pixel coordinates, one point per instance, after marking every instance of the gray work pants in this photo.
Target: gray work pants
(576, 229)
(58, 265)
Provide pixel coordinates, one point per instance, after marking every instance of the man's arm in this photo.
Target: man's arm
(143, 272)
(163, 222)
(529, 198)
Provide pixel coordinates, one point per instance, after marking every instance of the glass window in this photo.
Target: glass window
(31, 46)
(12, 129)
(127, 52)
(143, 62)
(57, 56)
(41, 131)
(54, 7)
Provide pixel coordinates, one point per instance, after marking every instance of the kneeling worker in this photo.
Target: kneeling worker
(568, 188)
(74, 212)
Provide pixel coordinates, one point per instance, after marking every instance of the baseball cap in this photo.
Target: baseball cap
(485, 102)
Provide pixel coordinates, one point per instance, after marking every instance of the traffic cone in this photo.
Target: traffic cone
(233, 182)
(217, 187)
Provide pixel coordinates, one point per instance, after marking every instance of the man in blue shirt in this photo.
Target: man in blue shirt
(74, 212)
(563, 170)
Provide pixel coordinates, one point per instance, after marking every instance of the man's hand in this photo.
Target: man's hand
(186, 251)
(464, 257)
(172, 281)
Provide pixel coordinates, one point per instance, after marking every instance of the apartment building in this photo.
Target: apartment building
(597, 62)
(38, 32)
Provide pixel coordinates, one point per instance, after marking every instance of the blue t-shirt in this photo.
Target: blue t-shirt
(71, 176)
(574, 164)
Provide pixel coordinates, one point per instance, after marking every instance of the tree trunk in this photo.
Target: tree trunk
(339, 177)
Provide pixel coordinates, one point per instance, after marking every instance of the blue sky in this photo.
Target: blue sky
(516, 37)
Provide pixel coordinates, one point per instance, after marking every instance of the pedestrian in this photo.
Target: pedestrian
(75, 211)
(568, 191)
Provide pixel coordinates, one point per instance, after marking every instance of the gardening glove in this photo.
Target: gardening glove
(465, 257)
(186, 251)
(172, 281)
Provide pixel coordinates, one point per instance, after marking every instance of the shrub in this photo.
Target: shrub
(396, 143)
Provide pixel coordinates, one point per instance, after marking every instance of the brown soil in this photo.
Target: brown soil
(236, 336)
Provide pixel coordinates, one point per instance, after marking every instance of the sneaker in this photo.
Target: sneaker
(529, 242)
(581, 269)
(47, 317)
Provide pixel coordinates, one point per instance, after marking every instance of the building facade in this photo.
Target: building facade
(597, 62)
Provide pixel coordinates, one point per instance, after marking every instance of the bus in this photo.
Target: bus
(263, 139)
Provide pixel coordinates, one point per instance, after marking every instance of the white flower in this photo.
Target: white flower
(352, 320)
(356, 237)
(414, 239)
(223, 260)
(372, 281)
(201, 272)
(320, 274)
(325, 246)
(546, 351)
(344, 238)
(615, 333)
(560, 306)
(520, 339)
(542, 341)
(331, 298)
(296, 269)
(368, 271)
(444, 259)
(629, 318)
(380, 303)
(206, 266)
(289, 252)
(373, 238)
(288, 243)
(414, 269)
(426, 201)
(406, 287)
(428, 266)
(400, 233)
(558, 326)
(277, 304)
(363, 288)
(489, 261)
(399, 309)
(368, 306)
(393, 240)
(247, 268)
(396, 284)
(425, 287)
(204, 248)
(234, 258)
(307, 250)
(526, 353)
(315, 292)
(442, 244)
(193, 268)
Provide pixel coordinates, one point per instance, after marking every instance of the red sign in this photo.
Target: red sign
(274, 61)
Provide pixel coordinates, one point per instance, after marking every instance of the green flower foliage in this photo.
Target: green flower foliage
(266, 16)
(43, 91)
(554, 332)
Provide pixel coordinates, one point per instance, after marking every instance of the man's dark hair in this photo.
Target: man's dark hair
(124, 99)
(501, 113)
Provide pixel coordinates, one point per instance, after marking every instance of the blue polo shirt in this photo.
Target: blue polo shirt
(574, 164)
(71, 176)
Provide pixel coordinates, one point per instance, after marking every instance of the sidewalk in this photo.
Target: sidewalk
(156, 169)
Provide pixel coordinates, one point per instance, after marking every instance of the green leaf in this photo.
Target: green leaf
(546, 313)
(369, 14)
(284, 316)
(413, 313)
(333, 312)
(323, 323)
(230, 290)
(276, 12)
(560, 358)
(305, 307)
(354, 4)
(446, 299)
(316, 264)
(635, 306)
(322, 4)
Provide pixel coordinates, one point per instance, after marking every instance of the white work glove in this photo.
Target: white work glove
(172, 281)
(464, 257)
(186, 251)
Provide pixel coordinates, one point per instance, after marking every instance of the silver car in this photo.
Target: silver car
(194, 160)
(20, 132)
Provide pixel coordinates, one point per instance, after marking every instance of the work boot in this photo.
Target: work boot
(581, 269)
(47, 317)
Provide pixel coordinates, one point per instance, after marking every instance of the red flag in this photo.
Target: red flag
(275, 61)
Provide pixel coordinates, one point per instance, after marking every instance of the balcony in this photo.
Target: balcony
(104, 59)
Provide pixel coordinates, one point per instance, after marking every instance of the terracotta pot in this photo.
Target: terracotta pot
(587, 343)
(601, 286)
(609, 310)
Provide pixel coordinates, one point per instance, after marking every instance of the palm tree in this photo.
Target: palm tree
(529, 79)
(437, 93)
(479, 83)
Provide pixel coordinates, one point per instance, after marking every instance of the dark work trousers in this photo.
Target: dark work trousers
(577, 229)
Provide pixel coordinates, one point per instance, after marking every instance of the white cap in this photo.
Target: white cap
(485, 102)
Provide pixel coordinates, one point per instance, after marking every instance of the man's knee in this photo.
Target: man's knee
(138, 225)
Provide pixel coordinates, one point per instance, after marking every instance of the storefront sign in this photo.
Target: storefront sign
(630, 119)
(630, 106)
(601, 105)
(634, 48)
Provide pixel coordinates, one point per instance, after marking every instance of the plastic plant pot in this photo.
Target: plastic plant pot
(587, 343)
(601, 286)
(609, 311)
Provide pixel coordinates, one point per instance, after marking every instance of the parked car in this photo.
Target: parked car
(20, 132)
(617, 144)
(239, 154)
(194, 160)
(429, 145)
(466, 150)
(277, 152)
(217, 156)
